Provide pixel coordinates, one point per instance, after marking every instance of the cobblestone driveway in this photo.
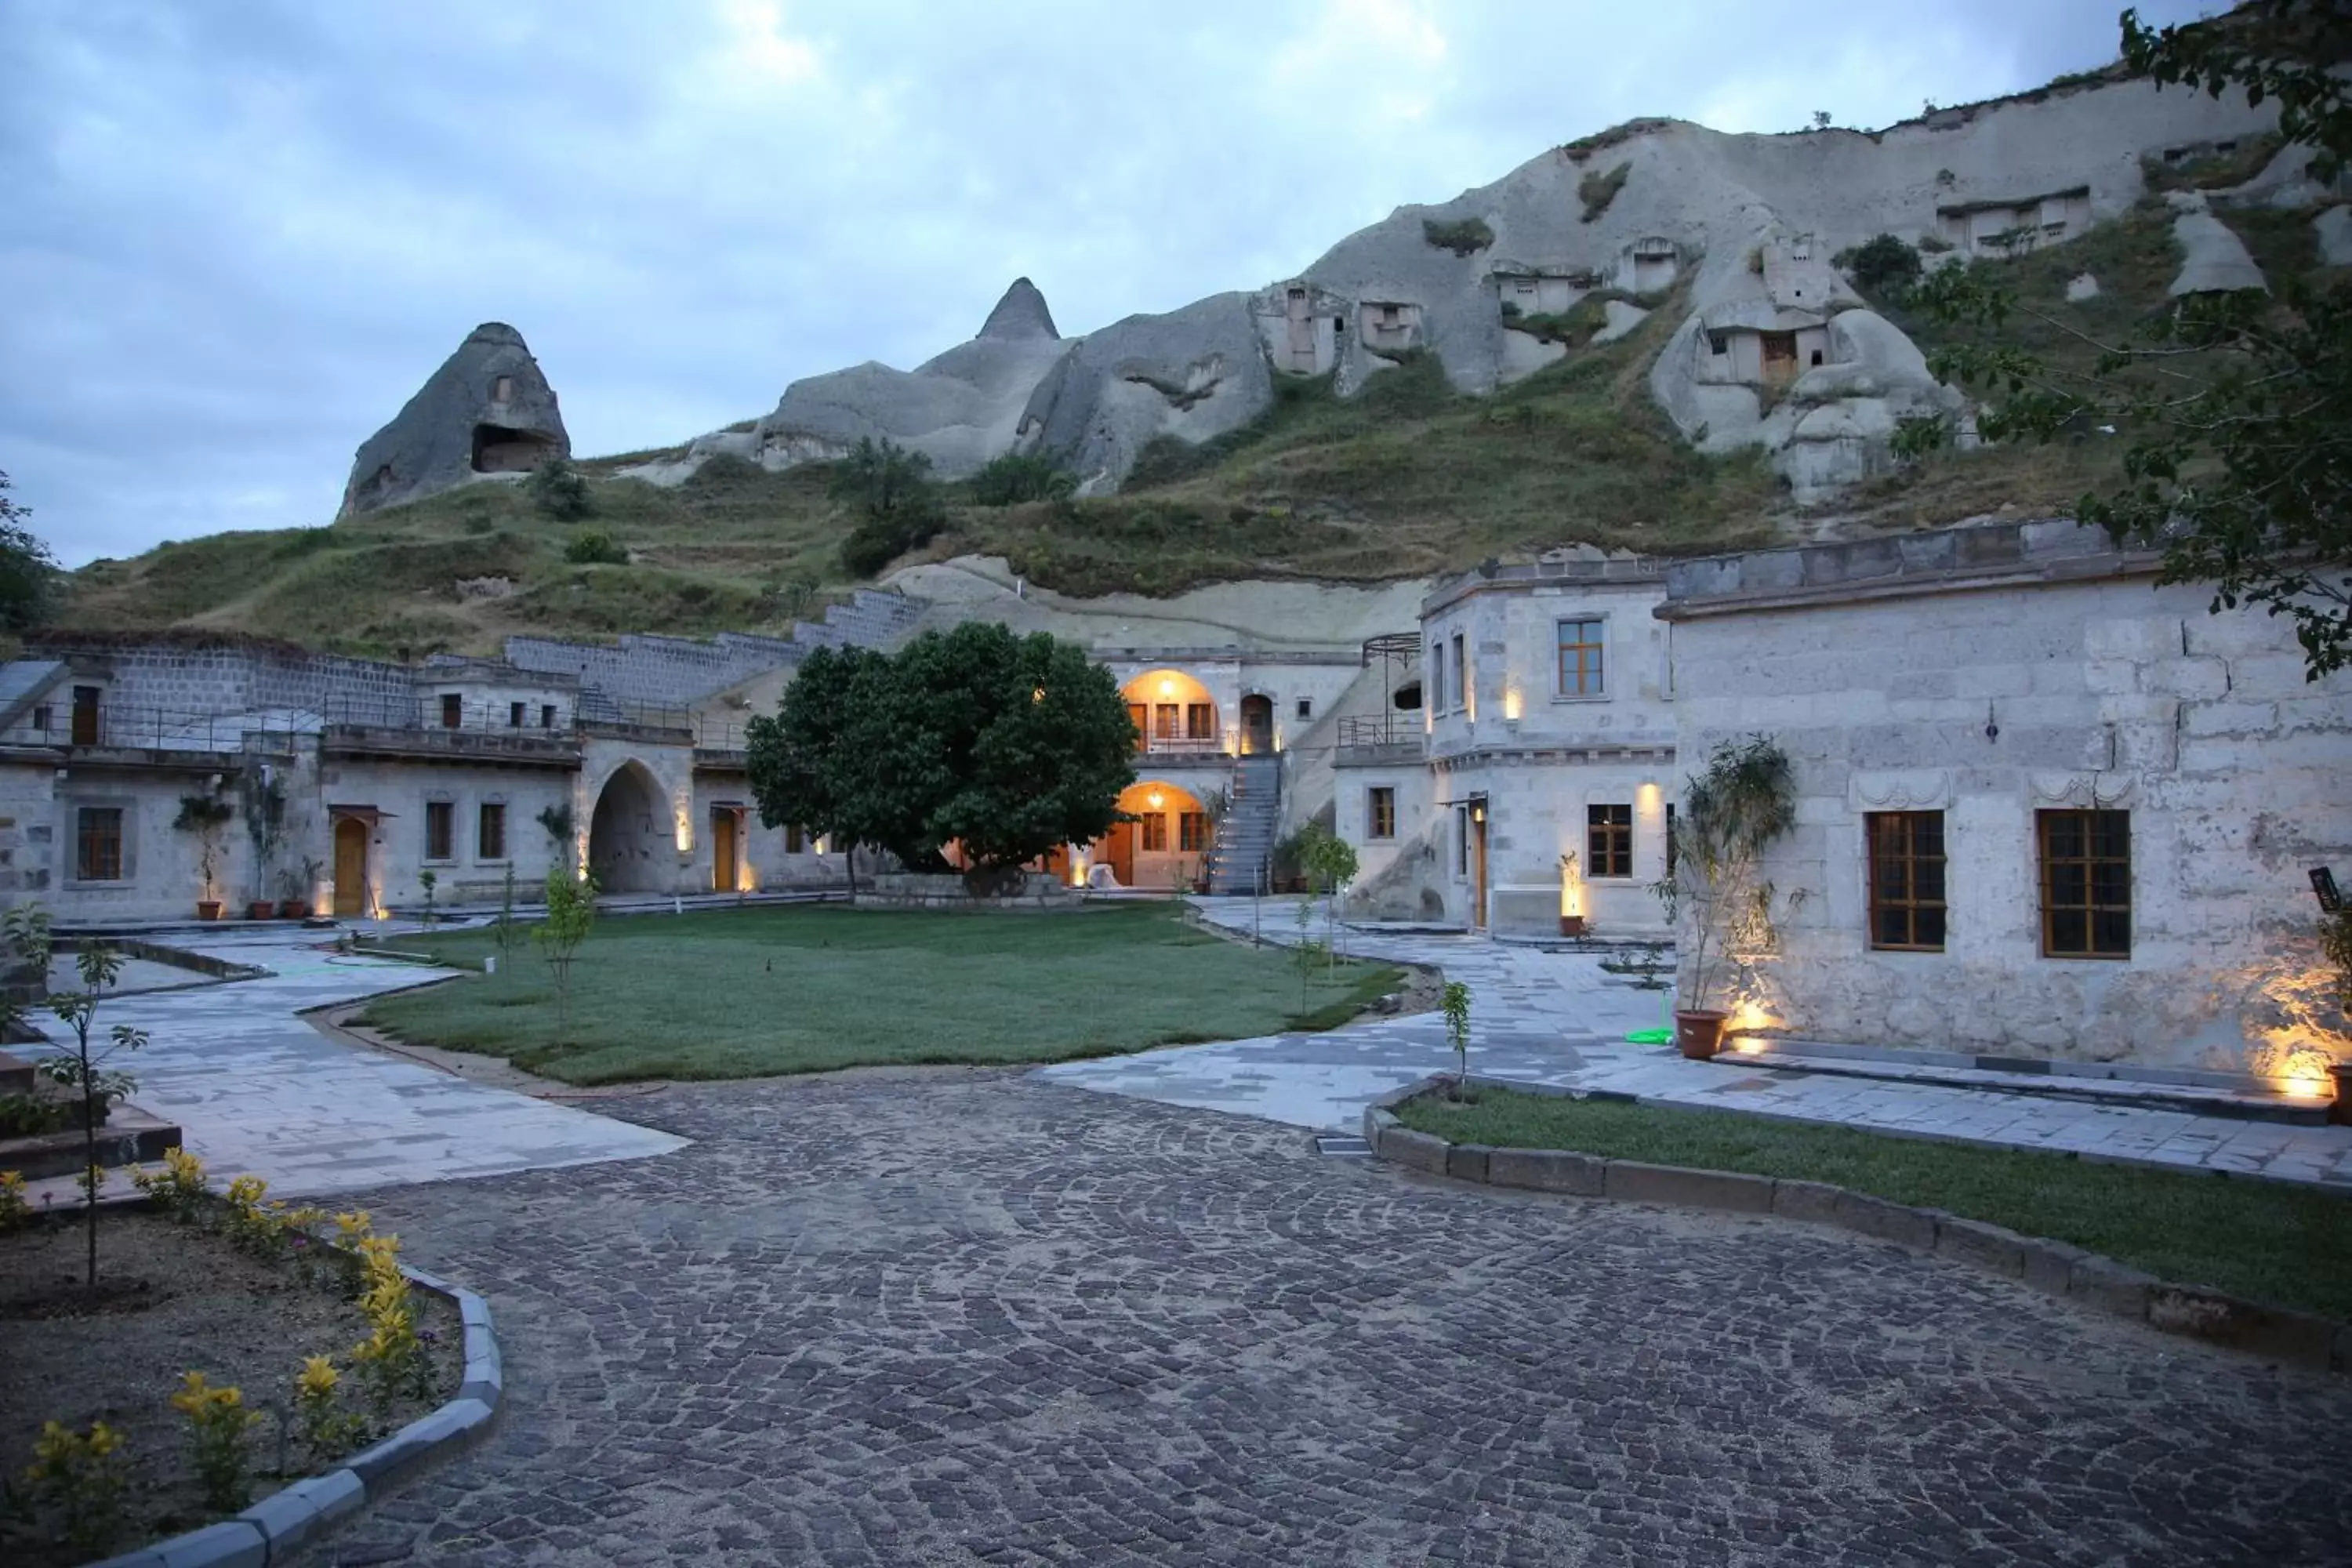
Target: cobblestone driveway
(962, 1319)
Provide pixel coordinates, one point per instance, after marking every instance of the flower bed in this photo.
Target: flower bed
(225, 1351)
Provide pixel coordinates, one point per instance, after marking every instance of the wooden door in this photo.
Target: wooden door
(350, 867)
(1257, 725)
(1119, 853)
(722, 852)
(1478, 869)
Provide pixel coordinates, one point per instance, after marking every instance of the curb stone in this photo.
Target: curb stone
(272, 1530)
(2053, 1267)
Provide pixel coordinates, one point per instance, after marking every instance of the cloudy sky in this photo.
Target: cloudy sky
(237, 235)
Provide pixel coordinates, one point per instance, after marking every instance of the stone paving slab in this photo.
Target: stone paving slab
(1559, 1020)
(944, 1318)
(258, 1092)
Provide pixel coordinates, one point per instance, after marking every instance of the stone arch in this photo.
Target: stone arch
(631, 840)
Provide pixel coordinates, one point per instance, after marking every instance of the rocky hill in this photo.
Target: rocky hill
(1652, 338)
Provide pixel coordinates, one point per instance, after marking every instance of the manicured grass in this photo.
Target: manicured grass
(2287, 1245)
(750, 992)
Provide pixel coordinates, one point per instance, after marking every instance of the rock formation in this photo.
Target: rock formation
(961, 409)
(487, 410)
(1736, 233)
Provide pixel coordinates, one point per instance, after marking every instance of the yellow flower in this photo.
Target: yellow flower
(246, 1191)
(318, 1378)
(349, 1227)
(103, 1439)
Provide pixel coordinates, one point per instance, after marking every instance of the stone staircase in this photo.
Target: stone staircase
(1245, 842)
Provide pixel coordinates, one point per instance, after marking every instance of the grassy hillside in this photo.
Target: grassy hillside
(1406, 479)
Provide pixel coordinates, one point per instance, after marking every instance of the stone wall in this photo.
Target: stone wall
(188, 677)
(912, 890)
(1990, 673)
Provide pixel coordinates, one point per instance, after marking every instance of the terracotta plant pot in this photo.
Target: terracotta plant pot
(293, 909)
(1571, 925)
(260, 909)
(208, 909)
(1699, 1031)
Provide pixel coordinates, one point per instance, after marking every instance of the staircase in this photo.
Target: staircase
(1246, 834)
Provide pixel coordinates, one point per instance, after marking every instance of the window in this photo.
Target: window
(502, 390)
(85, 716)
(1139, 716)
(453, 709)
(1608, 840)
(547, 715)
(1380, 813)
(1437, 677)
(1906, 880)
(1461, 673)
(1155, 832)
(98, 844)
(491, 831)
(1583, 647)
(1192, 832)
(514, 715)
(1461, 841)
(440, 820)
(41, 717)
(794, 838)
(1306, 708)
(2086, 883)
(1200, 722)
(1164, 717)
(1673, 850)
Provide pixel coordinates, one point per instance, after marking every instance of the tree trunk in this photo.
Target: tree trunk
(90, 1163)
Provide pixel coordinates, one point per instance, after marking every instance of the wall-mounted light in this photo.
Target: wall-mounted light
(1157, 800)
(1167, 686)
(1992, 728)
(1511, 703)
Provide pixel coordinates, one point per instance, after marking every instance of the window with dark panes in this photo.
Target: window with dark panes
(98, 844)
(1192, 832)
(1583, 648)
(440, 837)
(2086, 883)
(490, 834)
(1608, 840)
(1380, 813)
(1906, 879)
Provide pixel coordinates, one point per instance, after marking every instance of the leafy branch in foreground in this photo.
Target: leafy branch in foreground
(2235, 409)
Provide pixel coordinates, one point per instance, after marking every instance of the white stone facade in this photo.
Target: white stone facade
(1988, 676)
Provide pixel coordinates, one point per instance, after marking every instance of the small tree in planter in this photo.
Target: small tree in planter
(1454, 1000)
(205, 816)
(570, 915)
(1746, 798)
(1330, 860)
(84, 1070)
(263, 799)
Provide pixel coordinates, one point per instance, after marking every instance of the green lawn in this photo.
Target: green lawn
(2287, 1246)
(749, 993)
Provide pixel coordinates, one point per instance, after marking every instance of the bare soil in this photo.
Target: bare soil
(173, 1299)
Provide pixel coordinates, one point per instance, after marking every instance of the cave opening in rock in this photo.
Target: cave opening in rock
(502, 449)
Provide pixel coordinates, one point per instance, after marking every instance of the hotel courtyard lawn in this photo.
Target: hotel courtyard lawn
(754, 992)
(2268, 1242)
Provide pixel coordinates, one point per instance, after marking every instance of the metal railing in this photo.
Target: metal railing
(1182, 746)
(143, 729)
(1388, 729)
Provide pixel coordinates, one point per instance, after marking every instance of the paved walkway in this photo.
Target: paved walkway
(948, 1318)
(1558, 1018)
(257, 1089)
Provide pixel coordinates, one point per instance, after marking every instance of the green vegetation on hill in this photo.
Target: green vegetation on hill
(1407, 477)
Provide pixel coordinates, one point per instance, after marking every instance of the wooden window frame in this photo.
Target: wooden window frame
(440, 831)
(490, 831)
(1380, 811)
(1891, 838)
(452, 711)
(1461, 670)
(1592, 678)
(1192, 832)
(2089, 861)
(1200, 721)
(98, 857)
(1152, 838)
(1608, 840)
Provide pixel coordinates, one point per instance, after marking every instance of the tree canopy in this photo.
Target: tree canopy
(896, 500)
(1011, 746)
(28, 573)
(2235, 409)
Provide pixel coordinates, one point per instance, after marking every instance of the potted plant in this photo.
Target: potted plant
(263, 798)
(1571, 890)
(294, 888)
(205, 816)
(1746, 798)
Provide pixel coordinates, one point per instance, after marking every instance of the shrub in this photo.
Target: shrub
(181, 1189)
(217, 1423)
(14, 1210)
(80, 1476)
(595, 547)
(1597, 190)
(1015, 477)
(327, 1430)
(1884, 265)
(1462, 237)
(558, 489)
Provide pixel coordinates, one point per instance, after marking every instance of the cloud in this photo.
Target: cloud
(239, 237)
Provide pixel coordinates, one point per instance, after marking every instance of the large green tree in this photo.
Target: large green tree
(2235, 411)
(1009, 745)
(29, 573)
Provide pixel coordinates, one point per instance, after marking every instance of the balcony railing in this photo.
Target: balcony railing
(1391, 728)
(1182, 746)
(137, 729)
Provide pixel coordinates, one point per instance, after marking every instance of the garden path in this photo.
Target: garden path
(1555, 1018)
(257, 1090)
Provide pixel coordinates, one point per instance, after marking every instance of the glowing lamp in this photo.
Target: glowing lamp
(1511, 703)
(1167, 686)
(1157, 800)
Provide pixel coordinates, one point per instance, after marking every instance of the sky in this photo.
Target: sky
(236, 236)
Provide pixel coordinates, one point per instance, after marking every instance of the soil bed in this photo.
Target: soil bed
(174, 1299)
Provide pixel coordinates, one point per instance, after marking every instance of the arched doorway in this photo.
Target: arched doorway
(1172, 713)
(629, 835)
(1257, 725)
(1163, 849)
